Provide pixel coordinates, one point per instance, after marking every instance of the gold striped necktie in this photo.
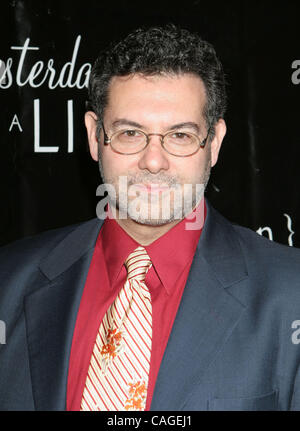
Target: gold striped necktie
(119, 367)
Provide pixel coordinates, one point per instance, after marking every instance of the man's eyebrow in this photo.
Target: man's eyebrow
(126, 122)
(188, 124)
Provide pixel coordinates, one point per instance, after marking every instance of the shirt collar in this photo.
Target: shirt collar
(169, 254)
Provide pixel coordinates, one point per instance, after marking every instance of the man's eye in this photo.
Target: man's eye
(130, 136)
(180, 135)
(131, 133)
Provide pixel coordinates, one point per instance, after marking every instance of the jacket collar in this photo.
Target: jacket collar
(218, 245)
(81, 239)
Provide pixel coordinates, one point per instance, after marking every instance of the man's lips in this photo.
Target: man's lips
(152, 187)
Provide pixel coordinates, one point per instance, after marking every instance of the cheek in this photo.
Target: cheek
(192, 171)
(187, 170)
(115, 164)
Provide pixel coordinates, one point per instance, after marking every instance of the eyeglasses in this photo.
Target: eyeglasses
(176, 142)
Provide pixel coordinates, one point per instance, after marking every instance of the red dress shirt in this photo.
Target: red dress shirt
(171, 257)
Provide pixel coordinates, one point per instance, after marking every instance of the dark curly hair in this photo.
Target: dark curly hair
(160, 50)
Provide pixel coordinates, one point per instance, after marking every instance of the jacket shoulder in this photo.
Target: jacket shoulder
(272, 265)
(269, 264)
(256, 244)
(32, 249)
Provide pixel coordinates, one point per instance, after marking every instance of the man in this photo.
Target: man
(161, 306)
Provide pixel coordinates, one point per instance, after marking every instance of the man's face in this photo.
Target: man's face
(156, 179)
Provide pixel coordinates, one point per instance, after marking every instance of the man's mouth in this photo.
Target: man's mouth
(152, 188)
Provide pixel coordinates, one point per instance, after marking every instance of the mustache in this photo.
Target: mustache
(159, 179)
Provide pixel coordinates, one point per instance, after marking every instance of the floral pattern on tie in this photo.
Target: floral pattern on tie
(113, 347)
(137, 396)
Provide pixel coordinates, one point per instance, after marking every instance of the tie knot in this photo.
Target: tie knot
(137, 264)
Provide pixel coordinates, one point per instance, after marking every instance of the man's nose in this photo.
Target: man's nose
(154, 157)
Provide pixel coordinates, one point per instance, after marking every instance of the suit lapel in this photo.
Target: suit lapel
(51, 312)
(206, 316)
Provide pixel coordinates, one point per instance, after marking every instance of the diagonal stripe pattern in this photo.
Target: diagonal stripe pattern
(119, 367)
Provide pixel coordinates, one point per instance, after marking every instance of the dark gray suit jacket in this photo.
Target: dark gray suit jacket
(231, 346)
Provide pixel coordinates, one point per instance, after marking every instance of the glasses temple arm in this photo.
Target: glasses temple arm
(106, 138)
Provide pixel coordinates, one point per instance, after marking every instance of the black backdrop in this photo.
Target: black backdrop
(47, 176)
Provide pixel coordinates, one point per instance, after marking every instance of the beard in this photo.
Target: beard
(171, 199)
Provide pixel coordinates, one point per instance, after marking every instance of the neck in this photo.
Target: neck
(142, 233)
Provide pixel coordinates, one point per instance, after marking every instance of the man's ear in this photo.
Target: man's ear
(215, 145)
(90, 119)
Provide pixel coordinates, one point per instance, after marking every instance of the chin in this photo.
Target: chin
(151, 222)
(144, 218)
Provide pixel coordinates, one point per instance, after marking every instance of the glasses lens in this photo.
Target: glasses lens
(129, 141)
(181, 143)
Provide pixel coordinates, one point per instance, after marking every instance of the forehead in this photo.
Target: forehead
(161, 97)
